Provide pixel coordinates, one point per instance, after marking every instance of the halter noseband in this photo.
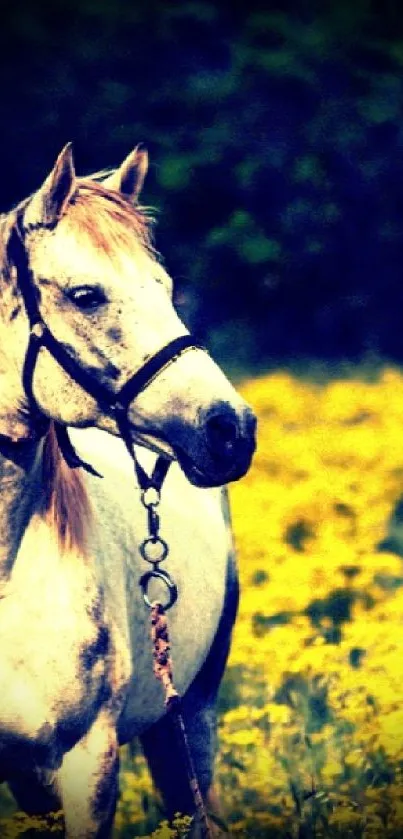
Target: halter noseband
(119, 403)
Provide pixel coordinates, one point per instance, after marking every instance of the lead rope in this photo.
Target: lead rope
(155, 550)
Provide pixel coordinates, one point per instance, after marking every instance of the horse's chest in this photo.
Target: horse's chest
(54, 658)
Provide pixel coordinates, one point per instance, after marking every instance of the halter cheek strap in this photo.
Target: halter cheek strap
(118, 403)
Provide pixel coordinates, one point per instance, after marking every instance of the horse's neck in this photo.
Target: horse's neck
(19, 457)
(19, 491)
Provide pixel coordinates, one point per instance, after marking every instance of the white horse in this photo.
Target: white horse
(84, 303)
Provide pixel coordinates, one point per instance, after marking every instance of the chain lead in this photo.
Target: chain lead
(154, 550)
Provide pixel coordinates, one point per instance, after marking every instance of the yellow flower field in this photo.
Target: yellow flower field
(312, 731)
(311, 710)
(311, 725)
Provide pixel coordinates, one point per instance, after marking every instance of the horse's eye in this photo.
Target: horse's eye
(87, 298)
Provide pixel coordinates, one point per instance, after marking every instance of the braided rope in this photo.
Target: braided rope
(163, 671)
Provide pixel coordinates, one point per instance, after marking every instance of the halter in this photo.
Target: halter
(119, 403)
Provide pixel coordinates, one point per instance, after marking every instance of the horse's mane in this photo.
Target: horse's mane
(66, 503)
(109, 220)
(108, 217)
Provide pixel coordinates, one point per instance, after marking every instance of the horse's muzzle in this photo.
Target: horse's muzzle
(230, 436)
(227, 441)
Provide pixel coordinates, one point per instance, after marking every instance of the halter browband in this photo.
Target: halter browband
(41, 336)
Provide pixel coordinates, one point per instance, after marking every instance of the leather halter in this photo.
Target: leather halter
(118, 403)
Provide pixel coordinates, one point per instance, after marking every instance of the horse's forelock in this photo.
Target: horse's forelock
(108, 218)
(66, 503)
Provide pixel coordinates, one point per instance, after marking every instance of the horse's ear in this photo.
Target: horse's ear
(48, 204)
(129, 178)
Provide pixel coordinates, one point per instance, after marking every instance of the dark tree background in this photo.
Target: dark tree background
(276, 138)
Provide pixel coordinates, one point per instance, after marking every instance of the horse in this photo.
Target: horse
(84, 302)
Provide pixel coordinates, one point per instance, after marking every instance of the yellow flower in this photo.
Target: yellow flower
(314, 686)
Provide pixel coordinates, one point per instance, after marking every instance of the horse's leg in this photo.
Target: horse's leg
(88, 782)
(33, 796)
(160, 741)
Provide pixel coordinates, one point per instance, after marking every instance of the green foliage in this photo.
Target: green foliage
(275, 141)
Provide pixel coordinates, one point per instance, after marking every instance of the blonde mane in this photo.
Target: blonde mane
(108, 218)
(110, 221)
(66, 504)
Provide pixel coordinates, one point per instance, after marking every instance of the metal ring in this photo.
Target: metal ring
(37, 329)
(154, 541)
(166, 579)
(155, 497)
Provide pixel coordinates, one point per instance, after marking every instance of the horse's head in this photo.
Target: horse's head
(106, 299)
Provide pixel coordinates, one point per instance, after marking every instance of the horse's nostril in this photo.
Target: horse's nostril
(222, 433)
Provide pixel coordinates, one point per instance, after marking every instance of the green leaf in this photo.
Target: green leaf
(257, 248)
